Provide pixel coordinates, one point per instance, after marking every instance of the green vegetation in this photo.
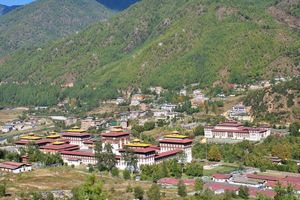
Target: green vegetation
(138, 192)
(92, 189)
(2, 190)
(283, 97)
(154, 192)
(181, 189)
(44, 21)
(258, 154)
(169, 43)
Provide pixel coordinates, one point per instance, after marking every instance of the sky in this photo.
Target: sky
(14, 2)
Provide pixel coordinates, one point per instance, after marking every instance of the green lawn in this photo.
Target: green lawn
(220, 169)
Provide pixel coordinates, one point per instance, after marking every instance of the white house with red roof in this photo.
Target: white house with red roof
(236, 131)
(14, 167)
(221, 178)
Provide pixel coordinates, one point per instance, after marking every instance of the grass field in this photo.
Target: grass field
(9, 115)
(221, 169)
(66, 178)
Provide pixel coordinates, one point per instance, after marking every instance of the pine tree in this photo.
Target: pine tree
(214, 154)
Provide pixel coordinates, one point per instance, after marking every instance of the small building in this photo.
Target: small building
(221, 178)
(14, 167)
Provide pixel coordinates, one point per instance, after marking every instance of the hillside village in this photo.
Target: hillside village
(150, 129)
(150, 100)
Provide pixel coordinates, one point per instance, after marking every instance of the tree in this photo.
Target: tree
(284, 193)
(244, 192)
(199, 130)
(295, 129)
(49, 196)
(109, 157)
(214, 154)
(282, 151)
(198, 185)
(154, 192)
(194, 169)
(130, 159)
(138, 192)
(115, 172)
(181, 189)
(126, 174)
(91, 189)
(2, 190)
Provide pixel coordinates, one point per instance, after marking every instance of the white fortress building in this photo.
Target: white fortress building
(236, 131)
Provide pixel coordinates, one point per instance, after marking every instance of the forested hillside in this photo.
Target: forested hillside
(6, 9)
(280, 103)
(46, 20)
(168, 43)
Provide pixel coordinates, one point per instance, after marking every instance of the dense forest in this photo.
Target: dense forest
(170, 43)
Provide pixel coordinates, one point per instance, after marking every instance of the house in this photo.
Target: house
(14, 167)
(236, 131)
(120, 100)
(221, 178)
(168, 107)
(183, 92)
(220, 188)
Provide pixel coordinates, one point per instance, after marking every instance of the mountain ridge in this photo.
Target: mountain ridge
(45, 20)
(169, 43)
(6, 9)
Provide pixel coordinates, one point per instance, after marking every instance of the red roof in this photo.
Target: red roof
(221, 186)
(39, 142)
(253, 192)
(263, 177)
(222, 176)
(60, 147)
(115, 134)
(88, 142)
(78, 153)
(81, 135)
(167, 153)
(292, 179)
(141, 150)
(176, 141)
(11, 165)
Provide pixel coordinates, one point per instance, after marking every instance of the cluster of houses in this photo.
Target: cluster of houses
(234, 130)
(76, 146)
(19, 125)
(264, 184)
(240, 112)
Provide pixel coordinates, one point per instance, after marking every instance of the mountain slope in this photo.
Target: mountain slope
(279, 103)
(45, 20)
(168, 43)
(117, 4)
(6, 9)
